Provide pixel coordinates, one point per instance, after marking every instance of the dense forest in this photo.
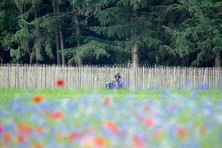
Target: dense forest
(79, 32)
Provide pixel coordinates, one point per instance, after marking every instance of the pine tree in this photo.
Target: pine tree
(200, 33)
(129, 24)
(35, 38)
(85, 46)
(8, 26)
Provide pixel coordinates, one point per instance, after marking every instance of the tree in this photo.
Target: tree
(86, 45)
(8, 26)
(200, 33)
(129, 24)
(35, 38)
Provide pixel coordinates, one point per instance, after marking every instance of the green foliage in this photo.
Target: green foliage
(189, 31)
(8, 25)
(130, 23)
(35, 37)
(89, 50)
(200, 32)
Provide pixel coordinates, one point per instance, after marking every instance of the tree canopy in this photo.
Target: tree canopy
(76, 32)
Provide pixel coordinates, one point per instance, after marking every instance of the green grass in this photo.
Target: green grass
(7, 94)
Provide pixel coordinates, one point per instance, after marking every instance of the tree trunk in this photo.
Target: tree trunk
(218, 60)
(35, 50)
(135, 55)
(58, 58)
(78, 32)
(157, 58)
(61, 39)
(62, 44)
(135, 51)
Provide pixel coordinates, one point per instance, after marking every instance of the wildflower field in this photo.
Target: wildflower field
(110, 118)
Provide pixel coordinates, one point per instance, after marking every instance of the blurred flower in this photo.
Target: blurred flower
(74, 135)
(146, 107)
(172, 106)
(47, 113)
(87, 142)
(181, 133)
(20, 138)
(57, 115)
(203, 86)
(106, 101)
(155, 87)
(99, 142)
(111, 126)
(7, 137)
(185, 84)
(137, 142)
(38, 145)
(40, 129)
(91, 131)
(202, 129)
(149, 122)
(38, 99)
(1, 128)
(60, 83)
(24, 128)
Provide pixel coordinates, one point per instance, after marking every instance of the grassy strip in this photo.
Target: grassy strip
(7, 94)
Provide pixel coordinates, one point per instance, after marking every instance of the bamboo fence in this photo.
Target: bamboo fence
(95, 77)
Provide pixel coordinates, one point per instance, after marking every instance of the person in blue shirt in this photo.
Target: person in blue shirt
(117, 80)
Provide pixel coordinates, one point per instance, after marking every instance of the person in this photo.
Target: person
(117, 80)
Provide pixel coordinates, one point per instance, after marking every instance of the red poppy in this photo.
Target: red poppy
(60, 83)
(73, 136)
(38, 145)
(38, 98)
(40, 129)
(106, 101)
(181, 133)
(7, 137)
(149, 122)
(112, 127)
(21, 139)
(24, 128)
(99, 142)
(146, 107)
(137, 142)
(57, 115)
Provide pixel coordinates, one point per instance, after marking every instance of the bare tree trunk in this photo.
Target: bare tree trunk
(61, 38)
(157, 58)
(135, 51)
(35, 16)
(135, 55)
(78, 32)
(218, 60)
(62, 44)
(58, 58)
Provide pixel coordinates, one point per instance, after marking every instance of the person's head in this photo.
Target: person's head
(117, 73)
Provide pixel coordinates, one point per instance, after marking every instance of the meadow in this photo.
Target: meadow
(59, 117)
